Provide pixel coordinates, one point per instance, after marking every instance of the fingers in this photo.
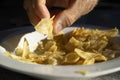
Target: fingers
(34, 19)
(36, 9)
(41, 9)
(75, 10)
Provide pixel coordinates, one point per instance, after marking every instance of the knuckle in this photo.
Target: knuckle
(69, 18)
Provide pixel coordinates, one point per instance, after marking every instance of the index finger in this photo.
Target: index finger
(41, 9)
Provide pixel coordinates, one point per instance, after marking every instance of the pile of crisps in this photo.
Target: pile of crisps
(79, 47)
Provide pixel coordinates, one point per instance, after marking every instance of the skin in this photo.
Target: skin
(73, 10)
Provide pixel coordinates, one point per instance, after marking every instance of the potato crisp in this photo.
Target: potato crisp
(79, 47)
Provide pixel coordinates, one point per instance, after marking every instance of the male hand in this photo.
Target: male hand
(74, 9)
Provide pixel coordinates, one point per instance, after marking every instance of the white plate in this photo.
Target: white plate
(48, 71)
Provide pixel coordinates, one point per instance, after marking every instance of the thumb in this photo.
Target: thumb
(64, 19)
(75, 10)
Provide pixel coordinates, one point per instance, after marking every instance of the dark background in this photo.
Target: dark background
(12, 15)
(106, 13)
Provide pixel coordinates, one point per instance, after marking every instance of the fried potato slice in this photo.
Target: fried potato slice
(80, 47)
(89, 55)
(45, 26)
(71, 58)
(26, 50)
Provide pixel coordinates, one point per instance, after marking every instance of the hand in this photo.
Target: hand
(74, 9)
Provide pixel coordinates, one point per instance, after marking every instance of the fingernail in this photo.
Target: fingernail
(59, 27)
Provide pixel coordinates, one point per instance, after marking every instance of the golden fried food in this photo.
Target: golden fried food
(80, 47)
